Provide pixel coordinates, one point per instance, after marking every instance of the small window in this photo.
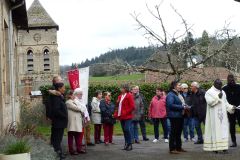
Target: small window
(30, 52)
(46, 52)
(30, 60)
(46, 60)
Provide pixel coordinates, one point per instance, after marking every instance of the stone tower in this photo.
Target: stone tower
(38, 49)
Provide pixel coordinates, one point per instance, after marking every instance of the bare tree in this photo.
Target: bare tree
(177, 53)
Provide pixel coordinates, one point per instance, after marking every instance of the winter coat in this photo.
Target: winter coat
(127, 107)
(96, 112)
(233, 94)
(157, 108)
(80, 103)
(59, 112)
(187, 98)
(48, 104)
(75, 116)
(138, 112)
(198, 105)
(174, 105)
(107, 111)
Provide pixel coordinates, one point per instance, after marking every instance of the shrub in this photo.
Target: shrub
(17, 147)
(32, 113)
(147, 89)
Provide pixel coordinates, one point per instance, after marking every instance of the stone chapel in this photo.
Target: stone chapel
(37, 49)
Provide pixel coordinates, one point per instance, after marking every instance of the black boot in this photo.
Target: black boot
(125, 146)
(129, 147)
(61, 156)
(225, 151)
(234, 144)
(145, 139)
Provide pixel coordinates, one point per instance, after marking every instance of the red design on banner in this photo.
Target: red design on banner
(73, 77)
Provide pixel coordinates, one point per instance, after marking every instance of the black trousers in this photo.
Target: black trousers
(175, 142)
(51, 139)
(156, 122)
(232, 120)
(57, 136)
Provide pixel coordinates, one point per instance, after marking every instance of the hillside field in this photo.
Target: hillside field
(127, 78)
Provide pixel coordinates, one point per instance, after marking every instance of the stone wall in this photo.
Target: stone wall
(5, 105)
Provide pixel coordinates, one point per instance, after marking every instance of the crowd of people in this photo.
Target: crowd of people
(179, 110)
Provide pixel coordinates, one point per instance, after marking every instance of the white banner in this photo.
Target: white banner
(84, 82)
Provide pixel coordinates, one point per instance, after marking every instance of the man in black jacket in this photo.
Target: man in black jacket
(232, 91)
(48, 102)
(59, 119)
(198, 106)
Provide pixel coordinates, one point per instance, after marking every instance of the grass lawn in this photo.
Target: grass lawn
(133, 77)
(45, 130)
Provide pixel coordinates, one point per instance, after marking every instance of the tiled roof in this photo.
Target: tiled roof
(38, 17)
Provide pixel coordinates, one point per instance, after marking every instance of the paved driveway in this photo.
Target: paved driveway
(151, 151)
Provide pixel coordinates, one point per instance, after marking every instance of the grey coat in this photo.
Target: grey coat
(96, 112)
(138, 112)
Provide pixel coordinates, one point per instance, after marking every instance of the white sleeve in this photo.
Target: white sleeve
(212, 100)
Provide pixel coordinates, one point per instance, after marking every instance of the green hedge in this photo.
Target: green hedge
(148, 90)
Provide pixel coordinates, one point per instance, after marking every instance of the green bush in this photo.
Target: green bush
(147, 89)
(17, 147)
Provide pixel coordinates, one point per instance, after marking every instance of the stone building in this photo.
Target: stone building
(13, 15)
(38, 49)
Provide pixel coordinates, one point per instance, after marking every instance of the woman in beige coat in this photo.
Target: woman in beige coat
(75, 125)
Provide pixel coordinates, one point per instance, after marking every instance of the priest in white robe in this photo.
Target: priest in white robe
(217, 125)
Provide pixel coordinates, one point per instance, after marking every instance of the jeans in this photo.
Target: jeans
(134, 130)
(188, 125)
(175, 142)
(168, 127)
(156, 122)
(197, 124)
(108, 132)
(126, 127)
(143, 128)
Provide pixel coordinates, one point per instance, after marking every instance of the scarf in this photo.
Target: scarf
(120, 104)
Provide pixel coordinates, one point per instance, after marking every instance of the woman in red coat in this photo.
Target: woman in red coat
(124, 113)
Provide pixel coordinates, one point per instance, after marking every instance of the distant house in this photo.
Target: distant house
(13, 16)
(195, 60)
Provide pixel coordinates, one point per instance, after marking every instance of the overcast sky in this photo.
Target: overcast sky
(89, 28)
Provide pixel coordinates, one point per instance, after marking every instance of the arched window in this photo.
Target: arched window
(30, 60)
(46, 59)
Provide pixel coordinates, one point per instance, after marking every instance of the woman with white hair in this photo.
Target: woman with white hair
(78, 93)
(188, 124)
(75, 125)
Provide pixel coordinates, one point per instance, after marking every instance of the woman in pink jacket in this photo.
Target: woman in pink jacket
(157, 112)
